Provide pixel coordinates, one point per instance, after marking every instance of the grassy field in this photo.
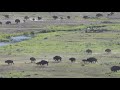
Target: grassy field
(66, 40)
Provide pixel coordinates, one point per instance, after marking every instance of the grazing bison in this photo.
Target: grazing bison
(115, 68)
(108, 51)
(8, 22)
(32, 59)
(72, 59)
(9, 61)
(57, 58)
(42, 62)
(92, 59)
(89, 51)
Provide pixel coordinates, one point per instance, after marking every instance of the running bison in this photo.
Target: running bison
(42, 62)
(72, 59)
(32, 59)
(89, 51)
(115, 68)
(108, 51)
(57, 58)
(9, 62)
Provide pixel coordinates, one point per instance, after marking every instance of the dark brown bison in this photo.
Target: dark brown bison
(84, 60)
(89, 51)
(115, 68)
(108, 51)
(8, 22)
(57, 58)
(32, 59)
(17, 21)
(42, 62)
(91, 60)
(72, 59)
(9, 62)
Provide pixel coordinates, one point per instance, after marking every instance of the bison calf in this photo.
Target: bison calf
(32, 59)
(84, 60)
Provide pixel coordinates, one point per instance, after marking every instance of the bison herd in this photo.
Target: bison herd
(72, 59)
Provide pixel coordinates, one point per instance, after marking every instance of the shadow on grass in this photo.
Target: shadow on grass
(55, 61)
(6, 65)
(41, 66)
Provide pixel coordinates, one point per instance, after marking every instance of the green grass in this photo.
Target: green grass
(64, 42)
(66, 27)
(67, 44)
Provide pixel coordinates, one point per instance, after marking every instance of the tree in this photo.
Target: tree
(26, 17)
(68, 17)
(99, 15)
(39, 18)
(55, 17)
(17, 21)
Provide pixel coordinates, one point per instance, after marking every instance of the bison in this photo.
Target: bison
(8, 22)
(32, 59)
(17, 21)
(115, 68)
(42, 62)
(72, 59)
(89, 51)
(84, 60)
(9, 62)
(92, 59)
(57, 58)
(108, 51)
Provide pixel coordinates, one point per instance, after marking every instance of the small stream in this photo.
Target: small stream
(16, 39)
